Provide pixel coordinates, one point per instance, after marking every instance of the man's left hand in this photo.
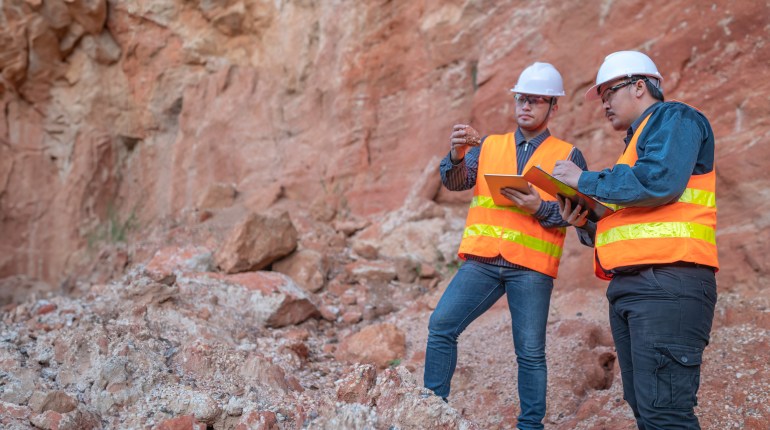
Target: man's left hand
(528, 201)
(576, 216)
(567, 172)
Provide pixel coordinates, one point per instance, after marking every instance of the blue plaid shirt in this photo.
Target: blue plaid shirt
(462, 176)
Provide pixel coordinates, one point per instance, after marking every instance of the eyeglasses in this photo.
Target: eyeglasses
(607, 93)
(522, 99)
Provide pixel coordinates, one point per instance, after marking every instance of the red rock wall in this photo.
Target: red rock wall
(140, 112)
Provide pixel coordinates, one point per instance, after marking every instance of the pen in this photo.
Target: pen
(569, 156)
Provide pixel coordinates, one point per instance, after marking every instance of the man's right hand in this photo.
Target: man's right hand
(567, 172)
(463, 138)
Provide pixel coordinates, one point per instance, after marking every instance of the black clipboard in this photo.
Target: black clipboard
(539, 178)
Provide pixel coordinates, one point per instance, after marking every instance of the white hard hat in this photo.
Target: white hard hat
(624, 63)
(540, 79)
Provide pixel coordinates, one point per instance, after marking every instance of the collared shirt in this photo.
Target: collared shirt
(676, 143)
(462, 176)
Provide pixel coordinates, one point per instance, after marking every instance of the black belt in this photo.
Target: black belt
(633, 270)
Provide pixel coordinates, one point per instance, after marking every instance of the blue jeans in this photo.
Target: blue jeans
(661, 320)
(473, 290)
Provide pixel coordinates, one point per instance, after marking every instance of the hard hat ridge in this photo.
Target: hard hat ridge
(540, 79)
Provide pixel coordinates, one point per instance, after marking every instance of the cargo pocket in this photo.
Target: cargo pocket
(677, 376)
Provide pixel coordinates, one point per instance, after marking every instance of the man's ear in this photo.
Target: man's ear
(554, 108)
(640, 88)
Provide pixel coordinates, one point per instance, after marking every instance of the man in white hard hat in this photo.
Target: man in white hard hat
(508, 250)
(659, 248)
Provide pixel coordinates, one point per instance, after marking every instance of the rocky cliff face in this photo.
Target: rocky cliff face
(130, 126)
(131, 110)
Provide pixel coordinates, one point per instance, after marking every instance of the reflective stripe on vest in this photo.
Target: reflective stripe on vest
(509, 231)
(690, 195)
(652, 230)
(531, 242)
(681, 231)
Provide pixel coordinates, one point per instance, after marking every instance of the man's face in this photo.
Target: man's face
(531, 110)
(618, 101)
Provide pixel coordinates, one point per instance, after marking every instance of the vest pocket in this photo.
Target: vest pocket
(677, 376)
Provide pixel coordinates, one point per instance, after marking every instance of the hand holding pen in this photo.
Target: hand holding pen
(567, 171)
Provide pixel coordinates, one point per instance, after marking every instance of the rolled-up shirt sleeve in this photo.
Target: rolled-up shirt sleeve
(460, 176)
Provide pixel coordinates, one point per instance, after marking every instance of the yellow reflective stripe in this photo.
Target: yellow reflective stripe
(487, 203)
(655, 230)
(699, 197)
(482, 230)
(514, 236)
(690, 195)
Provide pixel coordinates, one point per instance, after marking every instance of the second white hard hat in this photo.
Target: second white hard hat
(624, 63)
(540, 79)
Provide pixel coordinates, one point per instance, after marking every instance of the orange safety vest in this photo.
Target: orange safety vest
(681, 231)
(492, 230)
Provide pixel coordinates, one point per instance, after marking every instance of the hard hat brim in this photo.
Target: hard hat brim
(514, 90)
(592, 93)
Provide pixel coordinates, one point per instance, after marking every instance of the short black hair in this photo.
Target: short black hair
(654, 91)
